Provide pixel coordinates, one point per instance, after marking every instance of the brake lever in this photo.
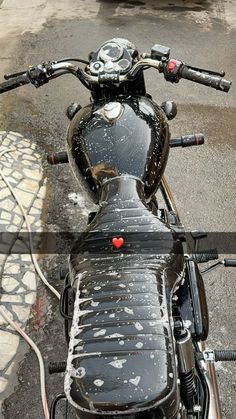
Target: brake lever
(213, 73)
(11, 76)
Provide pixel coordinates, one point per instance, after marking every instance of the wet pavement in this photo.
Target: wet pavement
(22, 167)
(202, 179)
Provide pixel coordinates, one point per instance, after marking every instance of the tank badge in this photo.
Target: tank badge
(111, 111)
(117, 242)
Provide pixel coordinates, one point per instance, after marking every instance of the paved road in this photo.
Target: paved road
(203, 180)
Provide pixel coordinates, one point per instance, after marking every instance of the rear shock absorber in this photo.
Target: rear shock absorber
(186, 367)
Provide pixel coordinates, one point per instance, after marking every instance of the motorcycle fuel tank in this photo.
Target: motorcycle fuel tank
(123, 136)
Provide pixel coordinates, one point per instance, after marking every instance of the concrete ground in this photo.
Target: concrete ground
(203, 180)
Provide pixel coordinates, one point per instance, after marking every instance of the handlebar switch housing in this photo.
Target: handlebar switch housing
(38, 75)
(171, 70)
(160, 51)
(113, 77)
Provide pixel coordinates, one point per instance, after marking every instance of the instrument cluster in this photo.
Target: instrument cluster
(112, 57)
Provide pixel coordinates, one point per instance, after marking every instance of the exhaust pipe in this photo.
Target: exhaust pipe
(210, 375)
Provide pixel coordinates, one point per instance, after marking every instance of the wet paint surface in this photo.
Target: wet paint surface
(200, 177)
(136, 143)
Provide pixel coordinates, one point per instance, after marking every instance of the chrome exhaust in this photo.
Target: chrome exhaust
(210, 376)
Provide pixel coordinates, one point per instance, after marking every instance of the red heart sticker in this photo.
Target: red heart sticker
(117, 242)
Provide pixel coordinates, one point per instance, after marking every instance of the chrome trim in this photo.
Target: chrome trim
(64, 66)
(185, 353)
(167, 195)
(111, 111)
(142, 63)
(148, 62)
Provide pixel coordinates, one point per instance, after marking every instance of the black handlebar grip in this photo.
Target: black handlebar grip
(210, 80)
(206, 255)
(14, 83)
(230, 263)
(195, 139)
(187, 140)
(56, 158)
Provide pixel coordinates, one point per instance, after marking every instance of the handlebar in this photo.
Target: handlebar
(175, 70)
(215, 82)
(172, 69)
(14, 83)
(230, 263)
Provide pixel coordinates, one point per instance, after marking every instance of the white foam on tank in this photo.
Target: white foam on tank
(98, 383)
(118, 363)
(135, 381)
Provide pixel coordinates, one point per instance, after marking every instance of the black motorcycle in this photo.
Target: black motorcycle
(134, 301)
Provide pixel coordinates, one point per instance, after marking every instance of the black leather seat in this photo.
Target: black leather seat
(122, 359)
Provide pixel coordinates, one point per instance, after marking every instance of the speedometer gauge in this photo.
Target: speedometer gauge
(124, 65)
(111, 52)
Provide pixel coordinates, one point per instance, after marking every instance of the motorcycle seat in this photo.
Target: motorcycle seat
(121, 354)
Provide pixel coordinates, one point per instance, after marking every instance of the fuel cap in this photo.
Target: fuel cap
(111, 111)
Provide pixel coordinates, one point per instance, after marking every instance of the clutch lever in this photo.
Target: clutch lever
(213, 73)
(11, 76)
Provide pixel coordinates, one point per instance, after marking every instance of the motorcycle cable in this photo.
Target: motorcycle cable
(212, 267)
(72, 59)
(226, 262)
(14, 324)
